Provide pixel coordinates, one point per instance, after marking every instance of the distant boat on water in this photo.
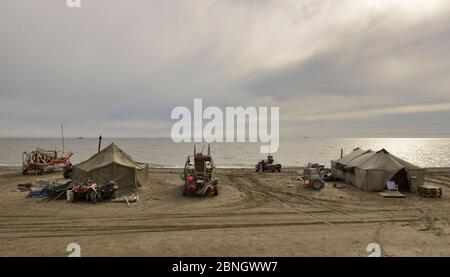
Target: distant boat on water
(80, 138)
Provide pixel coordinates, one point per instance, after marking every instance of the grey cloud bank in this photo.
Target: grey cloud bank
(335, 68)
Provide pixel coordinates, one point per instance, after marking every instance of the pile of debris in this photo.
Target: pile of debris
(48, 190)
(70, 190)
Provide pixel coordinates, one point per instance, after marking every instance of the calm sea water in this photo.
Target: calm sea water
(425, 152)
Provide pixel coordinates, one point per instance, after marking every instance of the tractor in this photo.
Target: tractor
(198, 175)
(313, 178)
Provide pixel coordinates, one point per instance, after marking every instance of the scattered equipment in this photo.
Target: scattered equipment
(127, 199)
(339, 185)
(198, 175)
(50, 191)
(267, 165)
(42, 161)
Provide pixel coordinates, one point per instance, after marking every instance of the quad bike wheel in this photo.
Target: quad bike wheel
(93, 196)
(216, 191)
(316, 185)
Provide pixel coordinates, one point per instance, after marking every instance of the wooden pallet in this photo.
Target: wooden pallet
(392, 194)
(429, 191)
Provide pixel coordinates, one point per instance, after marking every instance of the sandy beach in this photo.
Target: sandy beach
(254, 215)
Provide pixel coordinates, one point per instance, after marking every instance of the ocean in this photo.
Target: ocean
(162, 152)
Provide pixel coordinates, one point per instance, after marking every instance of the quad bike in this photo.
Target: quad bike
(87, 191)
(267, 165)
(198, 175)
(90, 191)
(107, 191)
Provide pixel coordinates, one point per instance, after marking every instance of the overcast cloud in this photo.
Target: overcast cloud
(335, 68)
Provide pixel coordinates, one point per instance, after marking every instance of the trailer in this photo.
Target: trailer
(41, 161)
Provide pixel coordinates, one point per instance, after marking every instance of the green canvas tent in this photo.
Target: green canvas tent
(338, 166)
(114, 164)
(372, 170)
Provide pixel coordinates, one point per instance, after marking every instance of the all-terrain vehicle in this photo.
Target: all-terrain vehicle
(198, 175)
(108, 190)
(267, 165)
(87, 191)
(90, 191)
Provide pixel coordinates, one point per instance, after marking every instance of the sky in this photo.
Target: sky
(348, 68)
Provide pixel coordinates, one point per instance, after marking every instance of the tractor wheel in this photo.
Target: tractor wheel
(93, 196)
(216, 191)
(273, 169)
(184, 193)
(316, 185)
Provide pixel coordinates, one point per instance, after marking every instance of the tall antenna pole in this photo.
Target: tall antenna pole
(62, 136)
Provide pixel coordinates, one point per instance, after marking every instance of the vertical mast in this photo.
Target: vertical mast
(62, 137)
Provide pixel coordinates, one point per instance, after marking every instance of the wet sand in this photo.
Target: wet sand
(254, 215)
